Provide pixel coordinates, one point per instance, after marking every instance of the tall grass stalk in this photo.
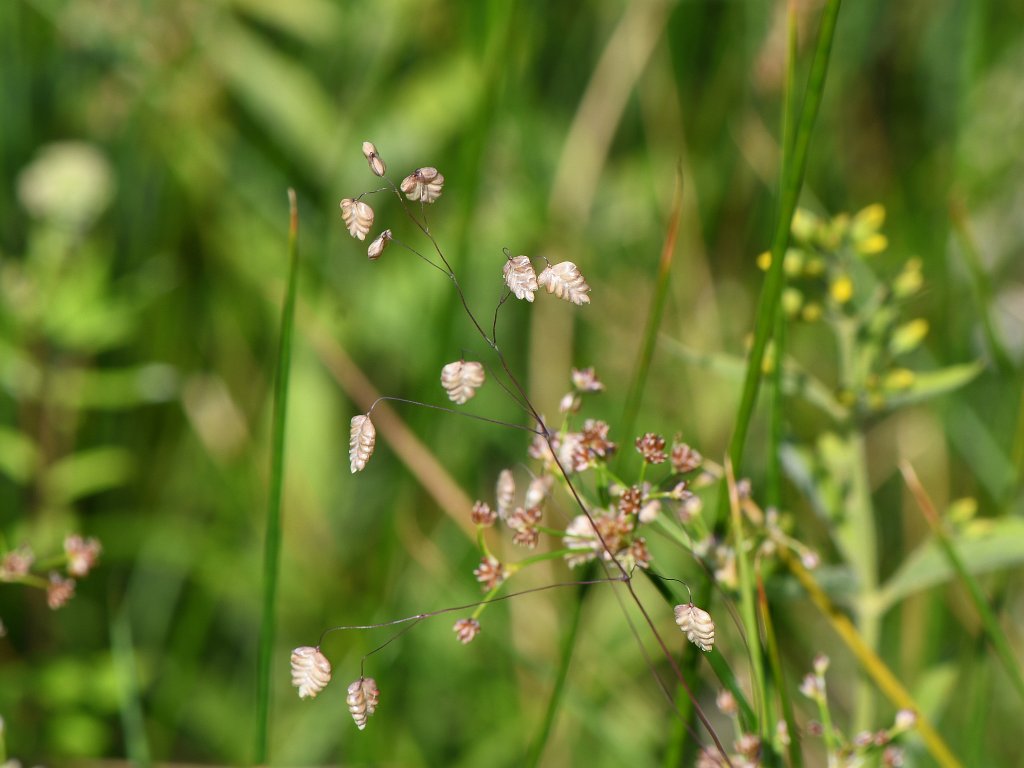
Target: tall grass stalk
(558, 690)
(993, 629)
(272, 540)
(748, 611)
(655, 312)
(792, 177)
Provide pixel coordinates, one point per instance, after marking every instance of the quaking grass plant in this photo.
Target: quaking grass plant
(572, 463)
(593, 513)
(596, 515)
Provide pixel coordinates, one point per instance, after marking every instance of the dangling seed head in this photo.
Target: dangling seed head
(362, 700)
(697, 624)
(377, 246)
(362, 439)
(461, 379)
(565, 281)
(423, 185)
(505, 491)
(358, 217)
(520, 277)
(376, 164)
(311, 671)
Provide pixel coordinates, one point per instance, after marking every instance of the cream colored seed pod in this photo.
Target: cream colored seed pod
(358, 217)
(362, 700)
(362, 439)
(520, 277)
(565, 281)
(423, 185)
(376, 164)
(461, 379)
(311, 671)
(697, 624)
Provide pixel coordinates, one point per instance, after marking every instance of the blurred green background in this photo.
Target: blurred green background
(145, 151)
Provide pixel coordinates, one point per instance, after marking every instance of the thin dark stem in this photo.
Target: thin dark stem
(458, 608)
(385, 644)
(514, 396)
(572, 488)
(498, 422)
(408, 247)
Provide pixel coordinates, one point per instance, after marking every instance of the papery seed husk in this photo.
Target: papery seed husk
(423, 185)
(565, 281)
(461, 379)
(697, 624)
(377, 246)
(311, 671)
(362, 439)
(357, 704)
(520, 277)
(505, 492)
(376, 164)
(358, 217)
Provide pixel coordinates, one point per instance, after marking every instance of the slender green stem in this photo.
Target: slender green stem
(773, 471)
(133, 719)
(792, 181)
(981, 288)
(993, 629)
(796, 758)
(272, 541)
(654, 313)
(863, 554)
(748, 611)
(568, 645)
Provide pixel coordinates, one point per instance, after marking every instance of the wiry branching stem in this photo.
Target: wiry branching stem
(548, 439)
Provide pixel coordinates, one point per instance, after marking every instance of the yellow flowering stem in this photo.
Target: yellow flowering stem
(876, 669)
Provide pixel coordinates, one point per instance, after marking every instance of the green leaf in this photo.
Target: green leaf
(19, 456)
(280, 92)
(87, 472)
(930, 384)
(999, 545)
(115, 389)
(796, 382)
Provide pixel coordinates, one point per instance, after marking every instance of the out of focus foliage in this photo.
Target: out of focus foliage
(145, 150)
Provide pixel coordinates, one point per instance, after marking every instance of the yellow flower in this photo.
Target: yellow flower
(841, 289)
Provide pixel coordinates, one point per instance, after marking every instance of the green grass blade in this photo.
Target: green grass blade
(272, 542)
(773, 473)
(568, 645)
(792, 180)
(981, 604)
(796, 758)
(133, 718)
(655, 312)
(981, 288)
(748, 611)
